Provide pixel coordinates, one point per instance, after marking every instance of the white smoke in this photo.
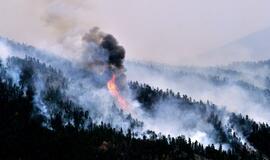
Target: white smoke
(231, 94)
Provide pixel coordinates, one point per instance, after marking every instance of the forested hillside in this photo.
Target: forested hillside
(46, 124)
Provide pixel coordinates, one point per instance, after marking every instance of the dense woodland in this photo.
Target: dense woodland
(256, 134)
(69, 133)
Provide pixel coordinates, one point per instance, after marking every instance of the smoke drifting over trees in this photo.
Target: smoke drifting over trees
(239, 87)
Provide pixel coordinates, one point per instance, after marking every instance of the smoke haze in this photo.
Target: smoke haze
(184, 31)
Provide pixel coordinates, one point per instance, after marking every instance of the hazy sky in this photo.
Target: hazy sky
(171, 31)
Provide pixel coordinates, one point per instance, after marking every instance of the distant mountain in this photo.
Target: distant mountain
(252, 47)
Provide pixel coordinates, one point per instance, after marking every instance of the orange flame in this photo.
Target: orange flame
(113, 89)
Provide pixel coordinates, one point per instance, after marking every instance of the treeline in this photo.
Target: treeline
(257, 134)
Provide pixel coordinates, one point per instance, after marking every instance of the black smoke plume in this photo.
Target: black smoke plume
(115, 52)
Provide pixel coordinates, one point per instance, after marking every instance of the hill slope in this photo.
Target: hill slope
(68, 132)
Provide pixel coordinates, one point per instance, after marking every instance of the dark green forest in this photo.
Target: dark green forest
(68, 132)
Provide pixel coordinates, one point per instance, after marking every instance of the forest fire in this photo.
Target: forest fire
(113, 89)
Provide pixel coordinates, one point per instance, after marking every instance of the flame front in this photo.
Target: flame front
(113, 89)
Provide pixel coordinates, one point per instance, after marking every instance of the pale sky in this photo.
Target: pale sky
(177, 32)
